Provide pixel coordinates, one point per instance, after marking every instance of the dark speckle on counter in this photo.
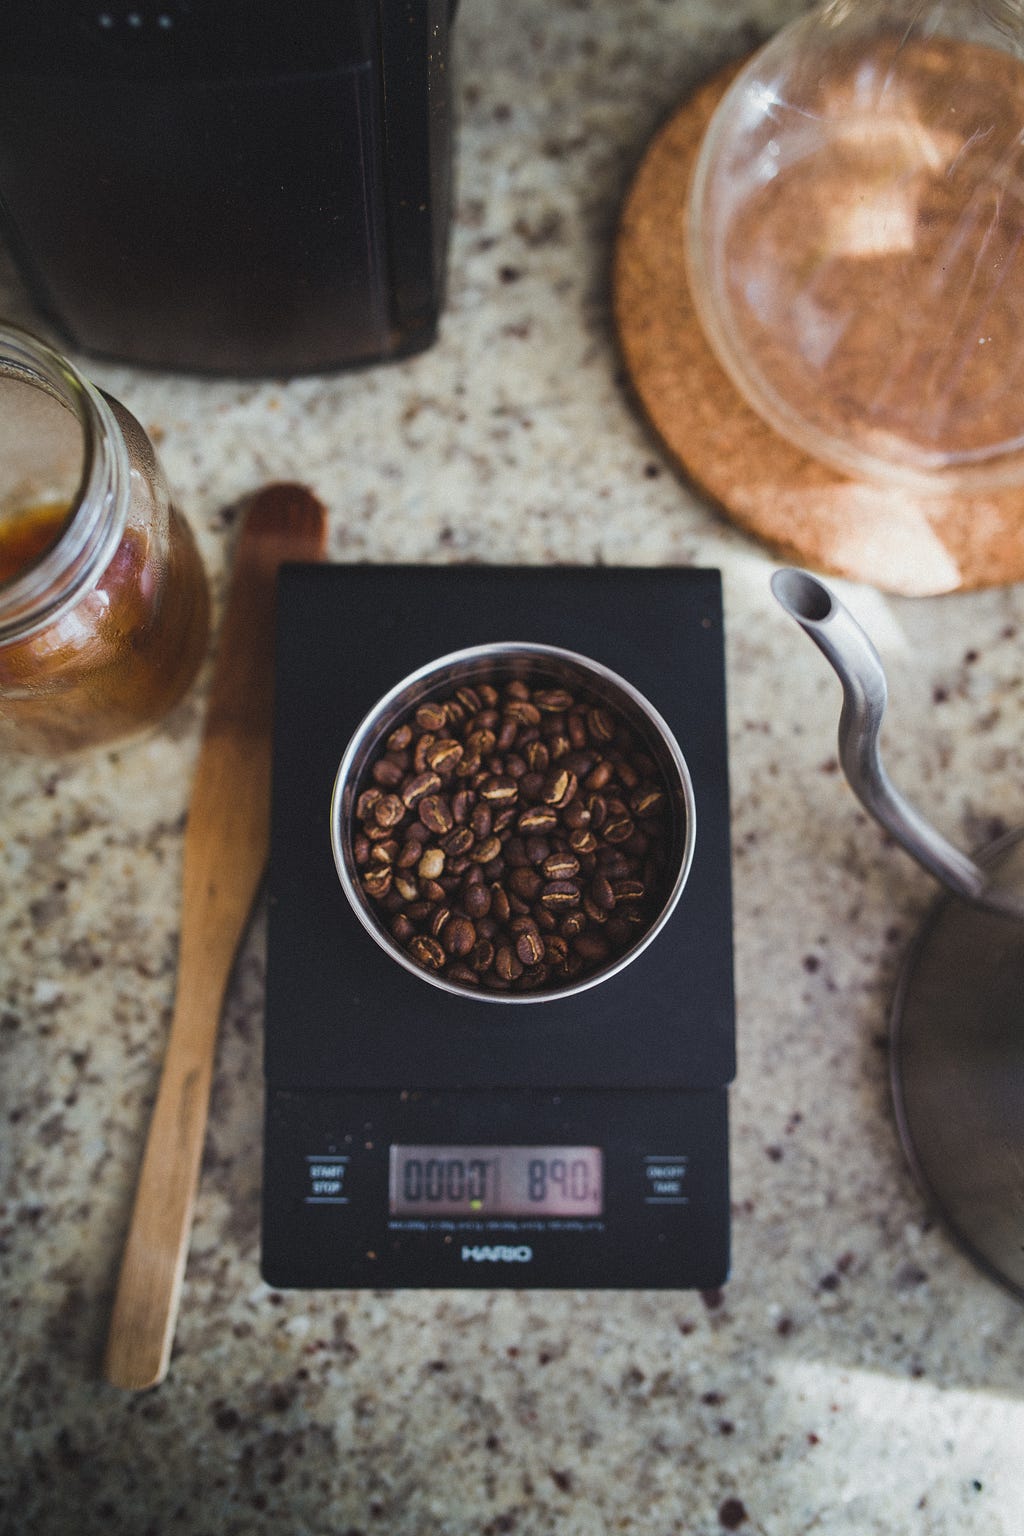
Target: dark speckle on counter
(856, 1375)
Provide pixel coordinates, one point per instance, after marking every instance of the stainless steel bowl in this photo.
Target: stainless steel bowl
(542, 665)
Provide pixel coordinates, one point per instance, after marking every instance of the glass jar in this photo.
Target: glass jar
(856, 239)
(104, 608)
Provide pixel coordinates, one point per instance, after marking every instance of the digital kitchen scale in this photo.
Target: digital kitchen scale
(415, 1138)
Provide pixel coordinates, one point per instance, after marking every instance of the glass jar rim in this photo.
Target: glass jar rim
(36, 595)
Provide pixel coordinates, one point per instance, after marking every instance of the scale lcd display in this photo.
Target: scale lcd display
(496, 1181)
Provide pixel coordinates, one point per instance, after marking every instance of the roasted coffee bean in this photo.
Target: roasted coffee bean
(539, 818)
(458, 936)
(536, 757)
(499, 789)
(366, 802)
(427, 952)
(553, 699)
(601, 723)
(480, 821)
(556, 949)
(431, 864)
(436, 813)
(402, 927)
(457, 842)
(445, 755)
(464, 975)
(582, 841)
(431, 717)
(420, 750)
(522, 711)
(388, 811)
(530, 947)
(477, 901)
(463, 801)
(516, 856)
(420, 784)
(525, 883)
(516, 840)
(560, 866)
(439, 916)
(508, 730)
(388, 774)
(507, 963)
(575, 815)
(647, 801)
(573, 923)
(377, 881)
(482, 954)
(559, 787)
(600, 775)
(375, 833)
(481, 743)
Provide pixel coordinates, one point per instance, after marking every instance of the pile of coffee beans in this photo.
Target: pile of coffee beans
(514, 838)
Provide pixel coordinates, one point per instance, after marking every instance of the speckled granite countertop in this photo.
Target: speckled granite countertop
(856, 1375)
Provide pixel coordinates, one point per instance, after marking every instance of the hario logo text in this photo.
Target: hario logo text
(479, 1255)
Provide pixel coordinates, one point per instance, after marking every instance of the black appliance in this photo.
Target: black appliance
(413, 1138)
(213, 185)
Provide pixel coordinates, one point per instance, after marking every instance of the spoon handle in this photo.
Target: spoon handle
(224, 854)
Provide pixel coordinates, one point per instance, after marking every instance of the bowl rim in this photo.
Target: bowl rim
(381, 714)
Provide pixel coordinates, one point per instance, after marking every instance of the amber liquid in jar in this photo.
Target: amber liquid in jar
(116, 660)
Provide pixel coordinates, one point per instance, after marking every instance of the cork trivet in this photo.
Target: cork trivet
(898, 540)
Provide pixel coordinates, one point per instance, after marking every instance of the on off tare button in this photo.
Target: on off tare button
(665, 1180)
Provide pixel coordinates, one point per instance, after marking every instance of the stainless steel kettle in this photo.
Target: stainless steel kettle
(957, 1027)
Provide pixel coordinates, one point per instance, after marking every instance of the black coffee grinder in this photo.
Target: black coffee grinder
(229, 187)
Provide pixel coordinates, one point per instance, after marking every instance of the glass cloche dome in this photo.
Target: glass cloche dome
(855, 239)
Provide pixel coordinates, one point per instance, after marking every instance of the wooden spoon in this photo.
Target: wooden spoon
(225, 851)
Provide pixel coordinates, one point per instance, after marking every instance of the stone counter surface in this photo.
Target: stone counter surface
(857, 1375)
